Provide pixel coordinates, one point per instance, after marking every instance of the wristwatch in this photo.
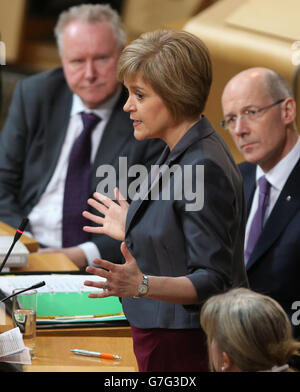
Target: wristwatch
(143, 287)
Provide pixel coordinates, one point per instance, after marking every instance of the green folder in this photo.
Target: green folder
(69, 307)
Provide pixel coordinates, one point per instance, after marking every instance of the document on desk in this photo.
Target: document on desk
(12, 348)
(54, 283)
(64, 299)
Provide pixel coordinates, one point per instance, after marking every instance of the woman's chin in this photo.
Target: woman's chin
(139, 135)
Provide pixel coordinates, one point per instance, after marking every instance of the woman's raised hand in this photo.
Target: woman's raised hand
(112, 223)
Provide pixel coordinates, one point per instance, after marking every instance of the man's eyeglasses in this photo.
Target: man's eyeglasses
(249, 114)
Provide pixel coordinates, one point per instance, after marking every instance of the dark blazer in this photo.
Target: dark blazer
(274, 266)
(31, 142)
(205, 245)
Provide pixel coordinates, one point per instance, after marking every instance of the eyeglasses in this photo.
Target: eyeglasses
(249, 114)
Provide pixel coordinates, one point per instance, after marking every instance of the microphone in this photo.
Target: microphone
(18, 234)
(35, 286)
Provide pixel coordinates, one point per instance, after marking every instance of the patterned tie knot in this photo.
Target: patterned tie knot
(89, 120)
(264, 185)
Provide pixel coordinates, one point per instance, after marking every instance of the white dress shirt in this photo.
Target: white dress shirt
(46, 216)
(277, 178)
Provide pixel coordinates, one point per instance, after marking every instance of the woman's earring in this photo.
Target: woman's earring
(223, 369)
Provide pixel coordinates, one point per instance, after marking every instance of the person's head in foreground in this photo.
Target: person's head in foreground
(168, 75)
(247, 332)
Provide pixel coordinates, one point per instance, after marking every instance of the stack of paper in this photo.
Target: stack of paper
(12, 348)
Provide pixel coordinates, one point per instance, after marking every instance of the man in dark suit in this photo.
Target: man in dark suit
(44, 123)
(259, 112)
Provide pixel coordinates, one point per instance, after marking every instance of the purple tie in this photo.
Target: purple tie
(77, 184)
(258, 219)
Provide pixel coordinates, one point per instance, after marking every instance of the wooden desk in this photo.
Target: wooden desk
(53, 350)
(47, 262)
(39, 261)
(31, 244)
(53, 345)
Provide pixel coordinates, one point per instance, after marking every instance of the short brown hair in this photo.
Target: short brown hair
(251, 328)
(176, 64)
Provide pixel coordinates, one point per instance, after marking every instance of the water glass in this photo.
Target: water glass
(24, 316)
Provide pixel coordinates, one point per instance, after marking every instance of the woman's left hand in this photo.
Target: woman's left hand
(122, 279)
(114, 215)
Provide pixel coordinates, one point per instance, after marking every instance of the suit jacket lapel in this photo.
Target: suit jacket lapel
(146, 187)
(200, 130)
(285, 208)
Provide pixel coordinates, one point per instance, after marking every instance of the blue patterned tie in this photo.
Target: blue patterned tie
(77, 184)
(258, 219)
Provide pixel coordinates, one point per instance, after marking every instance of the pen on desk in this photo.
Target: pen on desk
(95, 354)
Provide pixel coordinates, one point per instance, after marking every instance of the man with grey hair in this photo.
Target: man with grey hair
(260, 112)
(62, 125)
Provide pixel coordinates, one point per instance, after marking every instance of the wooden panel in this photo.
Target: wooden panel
(146, 15)
(39, 55)
(255, 15)
(12, 16)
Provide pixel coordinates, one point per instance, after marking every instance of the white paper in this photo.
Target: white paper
(12, 348)
(54, 283)
(11, 342)
(23, 357)
(76, 319)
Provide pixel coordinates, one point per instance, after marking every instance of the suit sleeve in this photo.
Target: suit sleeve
(12, 155)
(213, 234)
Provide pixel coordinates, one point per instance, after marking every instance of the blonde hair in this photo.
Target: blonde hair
(176, 64)
(251, 328)
(91, 13)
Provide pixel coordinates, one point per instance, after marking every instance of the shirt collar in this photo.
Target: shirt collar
(102, 111)
(279, 174)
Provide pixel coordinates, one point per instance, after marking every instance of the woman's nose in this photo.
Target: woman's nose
(128, 107)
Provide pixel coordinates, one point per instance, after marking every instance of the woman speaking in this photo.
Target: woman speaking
(178, 251)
